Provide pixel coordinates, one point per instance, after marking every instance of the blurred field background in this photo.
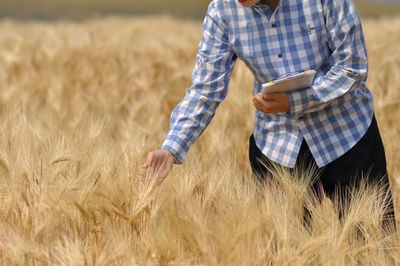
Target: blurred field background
(193, 9)
(81, 104)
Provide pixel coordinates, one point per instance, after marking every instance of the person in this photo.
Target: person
(330, 124)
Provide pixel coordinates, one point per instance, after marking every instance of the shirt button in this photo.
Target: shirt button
(280, 55)
(273, 25)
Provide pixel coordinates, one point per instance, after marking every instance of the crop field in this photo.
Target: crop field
(192, 10)
(81, 104)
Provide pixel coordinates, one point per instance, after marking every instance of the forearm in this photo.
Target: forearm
(188, 121)
(326, 88)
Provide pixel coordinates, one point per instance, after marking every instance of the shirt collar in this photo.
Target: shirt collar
(261, 5)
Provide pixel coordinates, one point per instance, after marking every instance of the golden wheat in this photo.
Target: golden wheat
(82, 104)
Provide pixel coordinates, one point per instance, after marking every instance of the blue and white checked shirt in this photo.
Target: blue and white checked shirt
(326, 35)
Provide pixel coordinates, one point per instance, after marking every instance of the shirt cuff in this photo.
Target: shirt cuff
(297, 101)
(177, 146)
(324, 90)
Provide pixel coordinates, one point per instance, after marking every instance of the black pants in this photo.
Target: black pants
(366, 159)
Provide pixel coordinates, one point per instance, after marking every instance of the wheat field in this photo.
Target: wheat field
(81, 105)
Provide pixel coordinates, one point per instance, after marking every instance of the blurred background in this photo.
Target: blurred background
(187, 9)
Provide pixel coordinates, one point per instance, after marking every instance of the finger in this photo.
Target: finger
(270, 96)
(168, 166)
(158, 168)
(158, 165)
(258, 96)
(161, 164)
(154, 168)
(267, 96)
(261, 108)
(144, 172)
(148, 161)
(258, 102)
(266, 106)
(255, 101)
(255, 104)
(258, 106)
(258, 99)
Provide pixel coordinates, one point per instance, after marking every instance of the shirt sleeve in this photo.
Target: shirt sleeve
(348, 60)
(210, 80)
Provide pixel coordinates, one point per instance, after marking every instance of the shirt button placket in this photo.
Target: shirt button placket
(273, 25)
(278, 52)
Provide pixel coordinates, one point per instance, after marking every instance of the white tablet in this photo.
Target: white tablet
(290, 83)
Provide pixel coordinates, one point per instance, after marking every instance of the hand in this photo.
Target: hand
(271, 102)
(159, 163)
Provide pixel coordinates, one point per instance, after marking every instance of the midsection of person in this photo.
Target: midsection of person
(275, 43)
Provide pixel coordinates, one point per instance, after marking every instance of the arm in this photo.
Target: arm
(211, 75)
(348, 60)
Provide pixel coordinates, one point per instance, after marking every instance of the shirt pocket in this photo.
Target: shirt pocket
(311, 44)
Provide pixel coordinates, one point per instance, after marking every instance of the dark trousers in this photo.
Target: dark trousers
(365, 160)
